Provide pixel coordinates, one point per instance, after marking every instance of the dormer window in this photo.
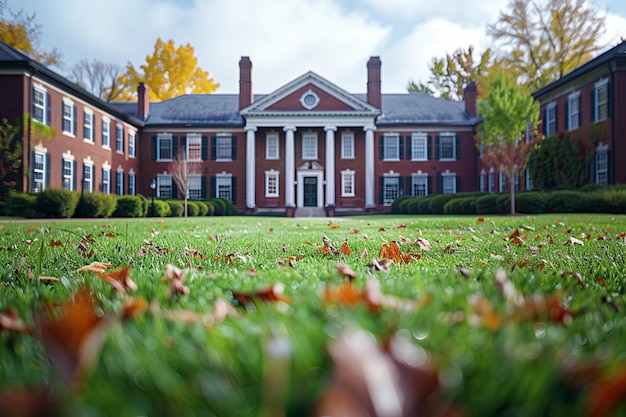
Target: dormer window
(309, 100)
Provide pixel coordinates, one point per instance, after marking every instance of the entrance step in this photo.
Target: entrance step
(310, 212)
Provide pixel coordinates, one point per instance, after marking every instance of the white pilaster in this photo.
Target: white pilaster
(330, 165)
(290, 166)
(250, 167)
(369, 166)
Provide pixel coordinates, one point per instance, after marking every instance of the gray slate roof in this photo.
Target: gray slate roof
(423, 109)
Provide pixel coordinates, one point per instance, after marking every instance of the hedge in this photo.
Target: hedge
(56, 203)
(128, 206)
(21, 204)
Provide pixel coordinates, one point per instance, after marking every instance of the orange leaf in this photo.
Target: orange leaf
(345, 271)
(10, 322)
(119, 279)
(54, 243)
(273, 293)
(607, 395)
(345, 249)
(133, 307)
(391, 251)
(346, 294)
(484, 313)
(96, 267)
(177, 278)
(481, 220)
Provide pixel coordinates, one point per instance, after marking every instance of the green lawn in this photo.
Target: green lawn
(441, 336)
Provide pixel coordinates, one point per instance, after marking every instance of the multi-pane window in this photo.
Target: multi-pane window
(391, 189)
(482, 186)
(491, 179)
(447, 146)
(573, 116)
(601, 99)
(529, 184)
(602, 167)
(271, 147)
(347, 183)
(224, 186)
(119, 182)
(68, 174)
(88, 125)
(69, 112)
(391, 147)
(224, 148)
(106, 133)
(194, 187)
(106, 181)
(164, 186)
(419, 185)
(132, 188)
(87, 184)
(502, 180)
(419, 151)
(448, 184)
(164, 147)
(39, 104)
(347, 146)
(194, 147)
(39, 171)
(119, 138)
(309, 146)
(551, 119)
(132, 143)
(271, 183)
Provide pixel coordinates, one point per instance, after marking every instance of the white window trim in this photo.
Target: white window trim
(45, 106)
(90, 182)
(164, 180)
(190, 137)
(391, 174)
(132, 190)
(106, 186)
(573, 98)
(194, 182)
(447, 135)
(502, 182)
(312, 137)
(70, 103)
(119, 185)
(549, 108)
(92, 118)
(106, 121)
(158, 145)
(385, 137)
(272, 174)
(445, 175)
(222, 176)
(217, 153)
(132, 150)
(422, 176)
(117, 150)
(419, 136)
(348, 173)
(273, 137)
(602, 83)
(602, 148)
(347, 137)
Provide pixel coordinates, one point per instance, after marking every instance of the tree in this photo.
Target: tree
(509, 128)
(19, 30)
(542, 40)
(10, 155)
(450, 75)
(169, 72)
(181, 170)
(99, 78)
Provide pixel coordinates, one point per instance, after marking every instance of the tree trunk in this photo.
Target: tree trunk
(512, 185)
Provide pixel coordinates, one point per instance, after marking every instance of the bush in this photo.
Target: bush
(462, 205)
(210, 207)
(504, 203)
(423, 205)
(530, 202)
(487, 204)
(56, 203)
(192, 209)
(128, 206)
(21, 204)
(145, 205)
(2, 208)
(413, 206)
(204, 208)
(177, 208)
(611, 201)
(395, 206)
(95, 205)
(566, 201)
(230, 207)
(438, 201)
(220, 206)
(161, 208)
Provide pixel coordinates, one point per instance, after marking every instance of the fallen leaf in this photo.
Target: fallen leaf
(96, 267)
(9, 321)
(345, 271)
(422, 243)
(573, 241)
(119, 279)
(273, 293)
(176, 277)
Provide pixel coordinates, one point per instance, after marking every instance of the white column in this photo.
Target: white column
(250, 167)
(290, 166)
(330, 165)
(369, 166)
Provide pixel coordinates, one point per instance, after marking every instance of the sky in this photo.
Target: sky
(283, 38)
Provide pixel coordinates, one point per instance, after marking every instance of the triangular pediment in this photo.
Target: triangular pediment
(310, 93)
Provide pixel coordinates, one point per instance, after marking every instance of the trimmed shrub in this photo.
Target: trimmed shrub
(463, 205)
(56, 203)
(210, 208)
(230, 207)
(566, 201)
(161, 208)
(21, 204)
(413, 206)
(423, 205)
(592, 188)
(204, 208)
(95, 205)
(611, 201)
(145, 205)
(395, 206)
(438, 201)
(530, 202)
(128, 206)
(504, 203)
(487, 204)
(220, 206)
(2, 208)
(177, 208)
(192, 209)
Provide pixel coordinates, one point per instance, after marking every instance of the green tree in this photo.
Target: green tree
(169, 72)
(509, 128)
(542, 40)
(19, 30)
(10, 155)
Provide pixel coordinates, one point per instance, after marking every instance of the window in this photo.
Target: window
(87, 184)
(573, 111)
(448, 183)
(224, 148)
(347, 183)
(419, 144)
(271, 183)
(106, 181)
(224, 187)
(502, 182)
(132, 189)
(41, 105)
(194, 147)
(529, 183)
(491, 182)
(551, 119)
(131, 144)
(88, 125)
(69, 117)
(68, 174)
(39, 171)
(482, 186)
(419, 185)
(164, 147)
(309, 146)
(271, 147)
(164, 186)
(119, 139)
(194, 187)
(391, 147)
(447, 147)
(390, 190)
(347, 146)
(601, 100)
(516, 181)
(106, 133)
(602, 167)
(119, 182)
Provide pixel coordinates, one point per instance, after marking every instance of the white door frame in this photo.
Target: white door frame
(320, 186)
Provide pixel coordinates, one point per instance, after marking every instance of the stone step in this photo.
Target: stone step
(310, 212)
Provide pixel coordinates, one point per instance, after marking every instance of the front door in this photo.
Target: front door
(310, 191)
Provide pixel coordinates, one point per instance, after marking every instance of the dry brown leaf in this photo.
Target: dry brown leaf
(422, 243)
(573, 241)
(221, 310)
(484, 313)
(96, 267)
(133, 307)
(380, 265)
(9, 321)
(273, 293)
(345, 271)
(119, 279)
(176, 277)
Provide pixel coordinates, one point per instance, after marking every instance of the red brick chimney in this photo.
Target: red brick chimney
(374, 96)
(245, 82)
(469, 95)
(143, 101)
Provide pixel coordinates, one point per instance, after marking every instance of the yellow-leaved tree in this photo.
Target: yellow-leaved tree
(169, 72)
